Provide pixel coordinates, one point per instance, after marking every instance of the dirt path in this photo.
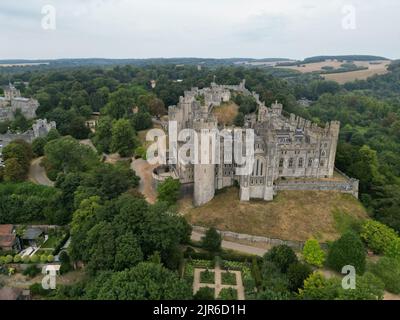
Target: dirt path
(144, 170)
(196, 236)
(37, 173)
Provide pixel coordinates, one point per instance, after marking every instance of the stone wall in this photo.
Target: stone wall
(296, 245)
(347, 185)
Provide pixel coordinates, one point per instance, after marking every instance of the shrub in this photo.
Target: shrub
(297, 273)
(368, 287)
(36, 289)
(25, 259)
(207, 277)
(204, 293)
(34, 259)
(313, 254)
(31, 271)
(228, 294)
(9, 258)
(282, 256)
(377, 236)
(393, 249)
(50, 258)
(317, 287)
(17, 258)
(388, 270)
(43, 258)
(348, 250)
(212, 240)
(228, 278)
(2, 260)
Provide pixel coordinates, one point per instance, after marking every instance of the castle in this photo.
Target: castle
(12, 101)
(290, 152)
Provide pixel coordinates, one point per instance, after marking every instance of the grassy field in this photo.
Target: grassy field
(374, 68)
(226, 112)
(292, 215)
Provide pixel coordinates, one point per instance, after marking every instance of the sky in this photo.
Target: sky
(50, 29)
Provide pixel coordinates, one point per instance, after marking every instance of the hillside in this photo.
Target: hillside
(292, 215)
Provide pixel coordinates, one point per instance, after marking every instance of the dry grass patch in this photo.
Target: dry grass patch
(226, 112)
(292, 215)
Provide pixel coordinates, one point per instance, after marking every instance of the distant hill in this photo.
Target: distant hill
(344, 58)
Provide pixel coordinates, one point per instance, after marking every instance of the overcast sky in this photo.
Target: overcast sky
(199, 28)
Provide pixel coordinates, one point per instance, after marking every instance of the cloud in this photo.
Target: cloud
(206, 28)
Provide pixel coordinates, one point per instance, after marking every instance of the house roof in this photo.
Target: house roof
(7, 237)
(32, 233)
(6, 229)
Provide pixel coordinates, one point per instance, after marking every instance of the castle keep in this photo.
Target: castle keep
(290, 152)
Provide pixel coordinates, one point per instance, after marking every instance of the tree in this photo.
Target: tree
(53, 135)
(146, 281)
(313, 254)
(282, 256)
(377, 236)
(212, 240)
(297, 273)
(19, 150)
(128, 252)
(120, 104)
(388, 270)
(368, 287)
(156, 107)
(102, 137)
(316, 287)
(68, 155)
(13, 171)
(142, 121)
(239, 120)
(169, 190)
(38, 146)
(348, 250)
(123, 139)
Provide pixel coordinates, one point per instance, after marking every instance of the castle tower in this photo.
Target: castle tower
(204, 174)
(334, 128)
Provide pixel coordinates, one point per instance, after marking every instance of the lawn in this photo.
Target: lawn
(52, 242)
(292, 215)
(228, 278)
(207, 277)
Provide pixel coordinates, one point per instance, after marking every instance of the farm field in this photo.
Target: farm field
(374, 68)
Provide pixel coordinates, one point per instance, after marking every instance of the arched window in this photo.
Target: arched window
(280, 163)
(291, 163)
(262, 169)
(310, 162)
(323, 153)
(300, 162)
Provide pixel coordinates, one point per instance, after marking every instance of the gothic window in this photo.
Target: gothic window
(322, 163)
(291, 163)
(323, 153)
(280, 163)
(301, 163)
(310, 162)
(261, 170)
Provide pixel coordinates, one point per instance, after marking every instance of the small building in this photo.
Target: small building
(9, 241)
(32, 236)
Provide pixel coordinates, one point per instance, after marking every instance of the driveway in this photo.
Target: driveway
(144, 170)
(37, 173)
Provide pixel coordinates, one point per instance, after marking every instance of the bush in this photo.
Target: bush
(228, 278)
(212, 240)
(297, 273)
(204, 293)
(317, 287)
(34, 259)
(9, 258)
(36, 289)
(393, 249)
(207, 277)
(25, 259)
(31, 271)
(348, 250)
(43, 258)
(50, 258)
(17, 258)
(282, 256)
(2, 260)
(228, 294)
(388, 270)
(313, 254)
(377, 236)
